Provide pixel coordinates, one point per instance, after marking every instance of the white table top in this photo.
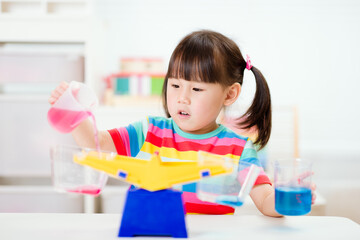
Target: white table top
(105, 226)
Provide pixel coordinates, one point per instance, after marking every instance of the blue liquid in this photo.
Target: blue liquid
(231, 201)
(292, 201)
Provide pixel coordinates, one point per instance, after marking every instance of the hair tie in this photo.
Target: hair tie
(248, 63)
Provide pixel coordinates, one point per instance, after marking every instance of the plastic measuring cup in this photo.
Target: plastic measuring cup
(73, 107)
(230, 189)
(68, 176)
(292, 182)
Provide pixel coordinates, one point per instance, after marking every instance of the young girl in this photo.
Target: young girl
(205, 75)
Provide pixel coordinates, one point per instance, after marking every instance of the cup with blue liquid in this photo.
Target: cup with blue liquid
(292, 180)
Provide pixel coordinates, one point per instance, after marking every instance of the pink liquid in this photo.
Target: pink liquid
(91, 190)
(66, 120)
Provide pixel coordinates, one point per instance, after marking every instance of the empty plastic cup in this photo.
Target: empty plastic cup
(293, 186)
(228, 189)
(68, 176)
(73, 107)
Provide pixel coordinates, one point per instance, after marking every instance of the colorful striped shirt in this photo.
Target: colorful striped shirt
(141, 139)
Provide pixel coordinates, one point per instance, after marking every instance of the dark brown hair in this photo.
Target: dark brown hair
(211, 57)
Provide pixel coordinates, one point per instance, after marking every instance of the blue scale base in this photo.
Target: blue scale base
(159, 213)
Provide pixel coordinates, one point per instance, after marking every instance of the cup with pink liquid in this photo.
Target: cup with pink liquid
(68, 176)
(74, 106)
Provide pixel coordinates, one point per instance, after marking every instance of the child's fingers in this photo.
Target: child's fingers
(63, 86)
(313, 194)
(57, 92)
(313, 198)
(305, 175)
(51, 100)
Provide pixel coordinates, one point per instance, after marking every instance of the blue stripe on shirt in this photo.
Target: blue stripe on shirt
(134, 145)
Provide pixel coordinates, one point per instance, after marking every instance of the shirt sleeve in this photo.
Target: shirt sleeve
(129, 140)
(249, 154)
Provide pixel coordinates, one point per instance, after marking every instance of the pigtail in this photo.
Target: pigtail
(259, 113)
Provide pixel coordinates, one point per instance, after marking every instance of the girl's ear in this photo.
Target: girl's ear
(232, 94)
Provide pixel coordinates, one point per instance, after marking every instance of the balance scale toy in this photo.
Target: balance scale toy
(152, 208)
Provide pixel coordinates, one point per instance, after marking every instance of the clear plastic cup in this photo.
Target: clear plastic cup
(73, 107)
(292, 182)
(68, 176)
(230, 189)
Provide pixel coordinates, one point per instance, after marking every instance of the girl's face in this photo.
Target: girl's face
(194, 106)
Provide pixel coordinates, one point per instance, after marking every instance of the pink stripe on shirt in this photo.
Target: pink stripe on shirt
(168, 133)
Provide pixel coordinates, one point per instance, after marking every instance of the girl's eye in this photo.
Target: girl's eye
(175, 85)
(197, 89)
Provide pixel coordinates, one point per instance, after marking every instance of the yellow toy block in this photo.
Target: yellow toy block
(153, 174)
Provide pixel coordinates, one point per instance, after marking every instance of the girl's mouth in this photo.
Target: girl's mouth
(183, 113)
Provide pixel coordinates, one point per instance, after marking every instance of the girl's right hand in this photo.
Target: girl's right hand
(57, 92)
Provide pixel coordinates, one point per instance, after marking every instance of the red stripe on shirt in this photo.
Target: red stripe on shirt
(262, 179)
(119, 145)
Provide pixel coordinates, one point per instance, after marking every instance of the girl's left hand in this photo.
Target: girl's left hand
(313, 194)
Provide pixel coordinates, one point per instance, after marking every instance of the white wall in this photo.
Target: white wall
(307, 49)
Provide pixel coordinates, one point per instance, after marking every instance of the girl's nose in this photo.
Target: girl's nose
(184, 98)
